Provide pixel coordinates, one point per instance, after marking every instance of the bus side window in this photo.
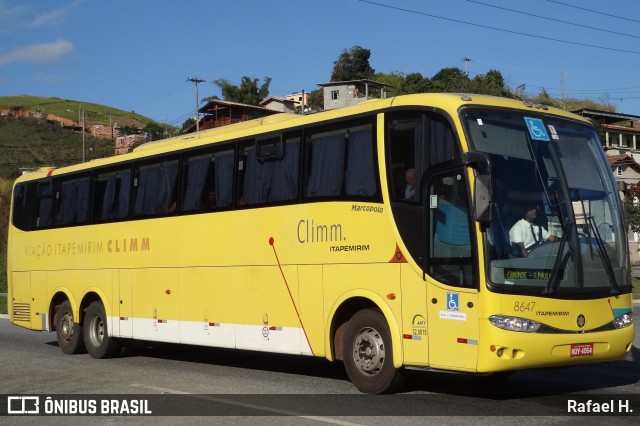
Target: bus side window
(72, 201)
(199, 183)
(24, 199)
(326, 168)
(405, 146)
(45, 204)
(442, 143)
(284, 182)
(450, 258)
(208, 181)
(111, 195)
(271, 170)
(224, 179)
(360, 175)
(156, 188)
(342, 162)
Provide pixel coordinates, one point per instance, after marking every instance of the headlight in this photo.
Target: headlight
(514, 323)
(623, 321)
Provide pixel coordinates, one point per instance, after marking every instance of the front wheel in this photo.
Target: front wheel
(368, 354)
(96, 333)
(68, 332)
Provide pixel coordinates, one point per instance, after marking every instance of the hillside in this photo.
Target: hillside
(33, 143)
(29, 140)
(70, 109)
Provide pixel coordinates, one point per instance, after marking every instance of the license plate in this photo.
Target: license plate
(582, 349)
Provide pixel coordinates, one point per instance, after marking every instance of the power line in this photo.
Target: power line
(594, 11)
(552, 19)
(168, 91)
(576, 43)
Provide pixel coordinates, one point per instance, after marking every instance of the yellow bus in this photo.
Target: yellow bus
(382, 235)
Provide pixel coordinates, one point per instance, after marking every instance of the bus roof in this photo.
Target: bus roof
(449, 102)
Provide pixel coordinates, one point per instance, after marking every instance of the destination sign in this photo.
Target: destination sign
(530, 274)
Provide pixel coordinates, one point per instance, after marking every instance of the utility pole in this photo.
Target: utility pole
(196, 81)
(466, 61)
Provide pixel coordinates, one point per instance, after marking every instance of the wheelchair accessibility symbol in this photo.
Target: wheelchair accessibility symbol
(536, 129)
(453, 301)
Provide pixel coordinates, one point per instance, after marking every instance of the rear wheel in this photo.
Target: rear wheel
(68, 332)
(96, 333)
(368, 354)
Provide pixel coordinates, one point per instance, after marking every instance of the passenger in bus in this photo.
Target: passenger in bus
(410, 190)
(525, 235)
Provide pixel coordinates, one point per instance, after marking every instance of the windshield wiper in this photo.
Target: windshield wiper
(560, 262)
(568, 228)
(603, 255)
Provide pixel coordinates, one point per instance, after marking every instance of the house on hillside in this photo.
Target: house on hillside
(275, 103)
(217, 113)
(100, 131)
(300, 99)
(620, 138)
(620, 131)
(626, 169)
(624, 166)
(339, 94)
(124, 143)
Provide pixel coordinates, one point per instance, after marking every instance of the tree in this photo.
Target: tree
(129, 130)
(416, 83)
(393, 80)
(248, 93)
(316, 100)
(451, 80)
(544, 98)
(154, 131)
(491, 83)
(353, 64)
(187, 123)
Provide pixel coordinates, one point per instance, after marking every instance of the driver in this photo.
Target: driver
(525, 235)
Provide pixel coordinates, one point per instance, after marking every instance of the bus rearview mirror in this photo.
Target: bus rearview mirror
(482, 199)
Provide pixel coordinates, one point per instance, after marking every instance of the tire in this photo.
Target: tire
(368, 354)
(68, 332)
(96, 333)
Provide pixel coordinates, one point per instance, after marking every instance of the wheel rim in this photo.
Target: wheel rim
(96, 330)
(368, 351)
(66, 326)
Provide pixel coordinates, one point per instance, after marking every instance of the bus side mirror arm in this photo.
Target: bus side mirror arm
(482, 198)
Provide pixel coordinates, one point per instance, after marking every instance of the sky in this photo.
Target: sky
(137, 55)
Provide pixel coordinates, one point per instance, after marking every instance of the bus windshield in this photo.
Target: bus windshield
(557, 227)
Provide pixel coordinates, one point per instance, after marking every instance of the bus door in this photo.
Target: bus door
(452, 295)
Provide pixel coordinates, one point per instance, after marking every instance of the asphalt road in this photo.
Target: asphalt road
(243, 387)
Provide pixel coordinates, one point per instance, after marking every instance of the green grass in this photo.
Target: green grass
(37, 143)
(70, 109)
(636, 287)
(3, 304)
